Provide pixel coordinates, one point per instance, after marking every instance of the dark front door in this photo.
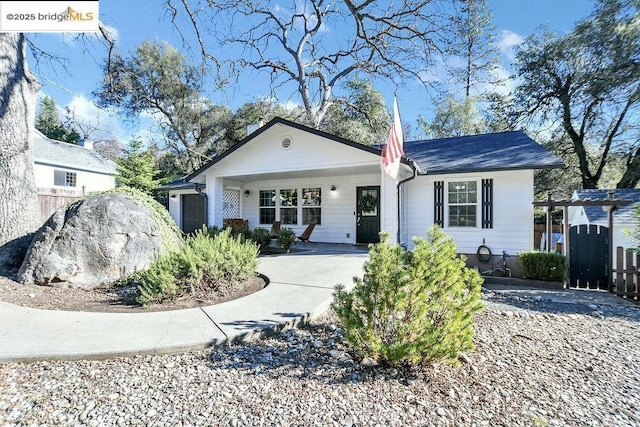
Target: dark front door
(368, 214)
(589, 257)
(192, 212)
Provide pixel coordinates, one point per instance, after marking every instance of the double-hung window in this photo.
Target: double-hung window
(289, 207)
(463, 203)
(311, 206)
(267, 205)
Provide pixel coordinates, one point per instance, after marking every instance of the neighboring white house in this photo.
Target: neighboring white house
(65, 171)
(623, 217)
(478, 188)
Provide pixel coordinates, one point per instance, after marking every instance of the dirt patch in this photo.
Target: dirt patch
(110, 300)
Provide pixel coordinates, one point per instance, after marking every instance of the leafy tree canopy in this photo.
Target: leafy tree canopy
(587, 83)
(455, 118)
(48, 122)
(360, 116)
(157, 80)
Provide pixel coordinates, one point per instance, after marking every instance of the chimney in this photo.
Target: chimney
(254, 127)
(86, 144)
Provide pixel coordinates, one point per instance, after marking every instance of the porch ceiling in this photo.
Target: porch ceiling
(314, 173)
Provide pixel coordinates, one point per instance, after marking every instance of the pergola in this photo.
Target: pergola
(609, 205)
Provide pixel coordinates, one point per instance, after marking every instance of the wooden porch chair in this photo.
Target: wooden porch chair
(236, 224)
(306, 234)
(275, 229)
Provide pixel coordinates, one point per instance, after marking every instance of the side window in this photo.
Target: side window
(462, 203)
(64, 178)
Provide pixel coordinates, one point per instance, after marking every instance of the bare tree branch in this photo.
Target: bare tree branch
(298, 46)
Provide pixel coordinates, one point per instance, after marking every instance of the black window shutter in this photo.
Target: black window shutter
(487, 203)
(438, 203)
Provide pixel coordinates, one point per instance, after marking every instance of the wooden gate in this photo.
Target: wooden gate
(589, 257)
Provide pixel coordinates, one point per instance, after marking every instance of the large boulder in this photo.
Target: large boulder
(95, 242)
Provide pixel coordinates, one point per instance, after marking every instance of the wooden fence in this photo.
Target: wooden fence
(538, 229)
(50, 199)
(626, 274)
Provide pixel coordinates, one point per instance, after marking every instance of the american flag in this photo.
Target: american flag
(392, 150)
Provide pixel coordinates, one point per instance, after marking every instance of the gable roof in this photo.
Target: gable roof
(622, 215)
(280, 121)
(480, 153)
(475, 153)
(50, 152)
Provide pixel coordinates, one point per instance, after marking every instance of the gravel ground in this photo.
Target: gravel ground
(537, 363)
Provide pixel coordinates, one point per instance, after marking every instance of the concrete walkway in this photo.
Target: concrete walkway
(300, 286)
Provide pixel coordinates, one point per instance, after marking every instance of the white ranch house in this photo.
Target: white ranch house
(64, 172)
(478, 188)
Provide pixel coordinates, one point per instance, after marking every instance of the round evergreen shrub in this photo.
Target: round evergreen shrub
(261, 237)
(286, 238)
(412, 307)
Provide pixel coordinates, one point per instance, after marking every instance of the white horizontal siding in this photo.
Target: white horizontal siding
(338, 207)
(265, 154)
(512, 211)
(44, 177)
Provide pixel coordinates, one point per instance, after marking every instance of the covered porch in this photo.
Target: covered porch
(327, 197)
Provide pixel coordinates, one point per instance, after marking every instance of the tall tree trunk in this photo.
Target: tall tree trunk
(19, 212)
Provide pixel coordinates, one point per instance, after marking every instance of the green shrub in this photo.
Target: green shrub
(412, 307)
(539, 265)
(245, 232)
(261, 237)
(286, 238)
(204, 264)
(212, 231)
(160, 281)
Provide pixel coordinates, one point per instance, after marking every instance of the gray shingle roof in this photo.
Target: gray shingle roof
(623, 215)
(176, 184)
(57, 153)
(478, 153)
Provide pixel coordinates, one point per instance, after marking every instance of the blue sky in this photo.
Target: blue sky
(135, 21)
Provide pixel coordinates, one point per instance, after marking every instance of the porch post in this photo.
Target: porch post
(389, 207)
(215, 188)
(565, 246)
(549, 222)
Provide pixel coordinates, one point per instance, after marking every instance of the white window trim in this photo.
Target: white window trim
(447, 205)
(300, 206)
(66, 173)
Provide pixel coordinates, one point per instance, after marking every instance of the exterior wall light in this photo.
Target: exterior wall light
(333, 188)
